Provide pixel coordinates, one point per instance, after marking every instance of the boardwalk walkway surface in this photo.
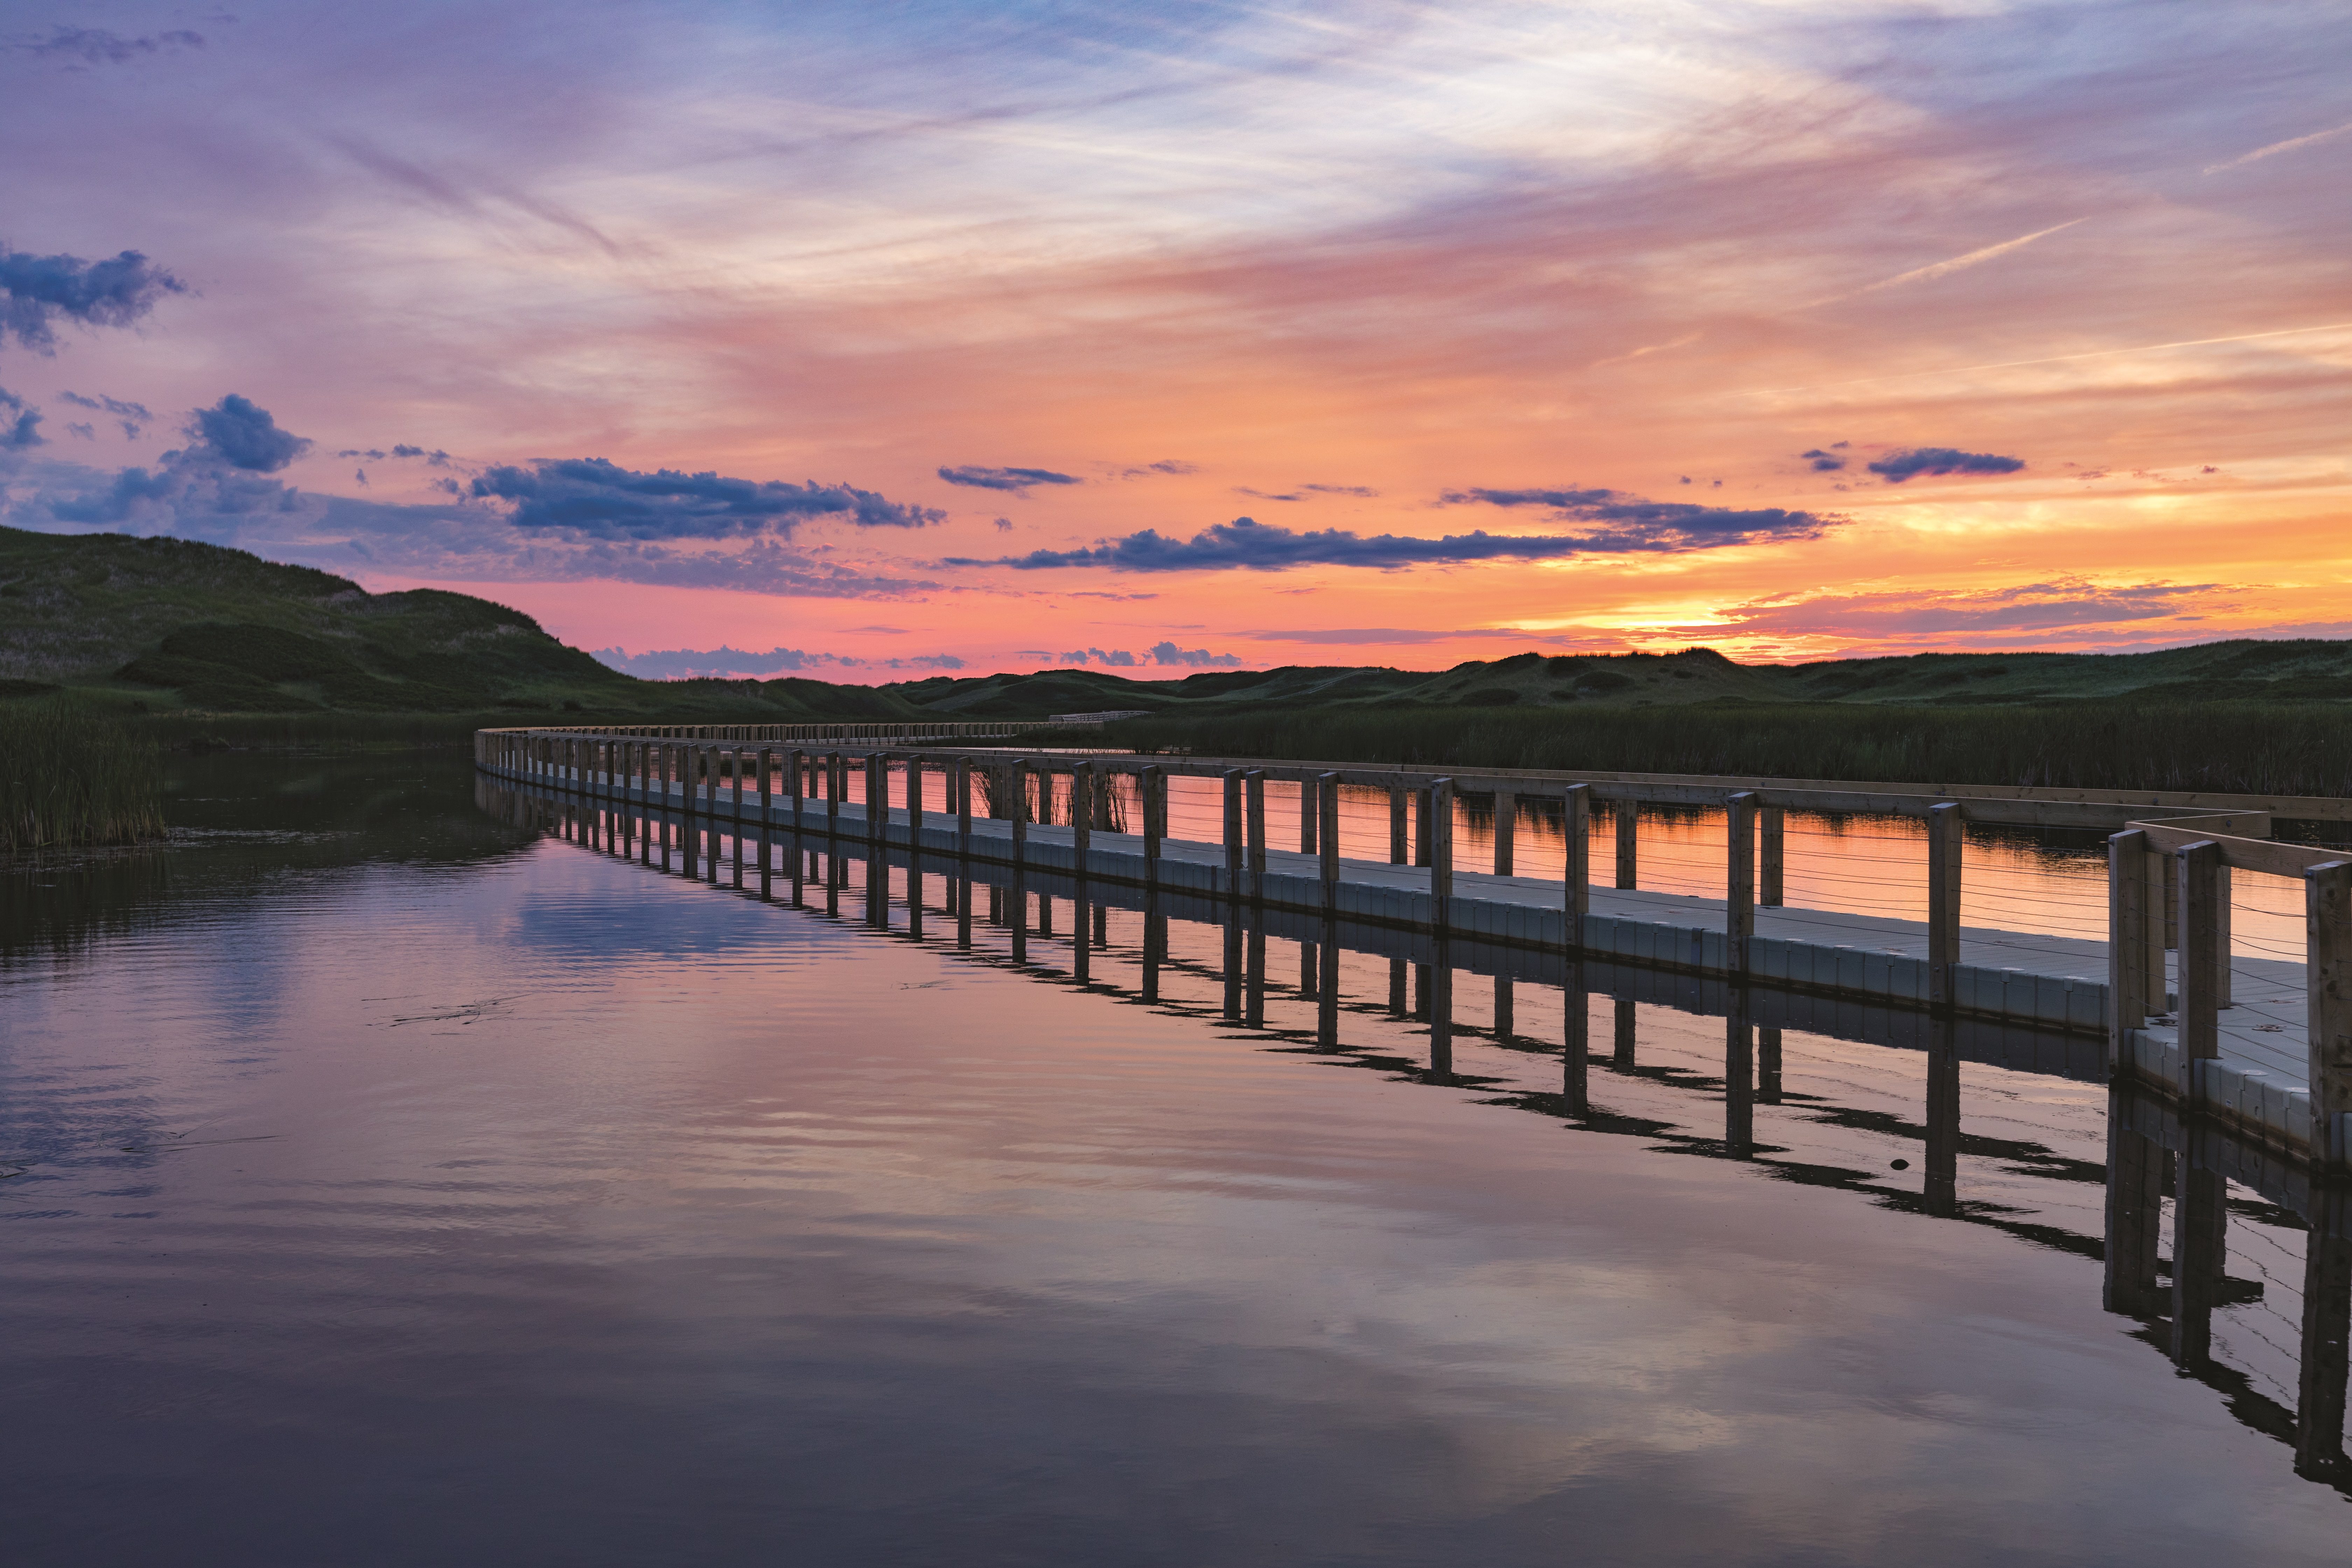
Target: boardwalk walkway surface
(2259, 1082)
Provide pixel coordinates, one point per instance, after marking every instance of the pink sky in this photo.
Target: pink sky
(1324, 267)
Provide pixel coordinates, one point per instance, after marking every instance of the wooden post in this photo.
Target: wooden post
(1506, 823)
(767, 847)
(1424, 815)
(914, 843)
(1943, 902)
(2127, 941)
(834, 771)
(1326, 801)
(959, 791)
(2199, 1030)
(1396, 825)
(1739, 882)
(1625, 812)
(1576, 880)
(1152, 786)
(1232, 832)
(1019, 780)
(878, 800)
(2327, 981)
(1439, 801)
(2221, 996)
(799, 774)
(1769, 878)
(1309, 818)
(1255, 782)
(1082, 812)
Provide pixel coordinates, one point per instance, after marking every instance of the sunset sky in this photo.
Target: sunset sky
(869, 341)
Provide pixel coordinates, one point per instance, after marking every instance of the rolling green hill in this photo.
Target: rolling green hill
(174, 625)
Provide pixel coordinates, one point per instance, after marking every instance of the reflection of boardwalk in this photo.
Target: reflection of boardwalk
(2168, 877)
(2166, 1179)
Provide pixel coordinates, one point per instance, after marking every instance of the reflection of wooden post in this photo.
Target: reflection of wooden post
(1576, 1027)
(1769, 874)
(1943, 902)
(2135, 1220)
(1739, 881)
(1624, 811)
(1738, 1078)
(2327, 1326)
(1504, 1021)
(2327, 981)
(2199, 1030)
(2200, 1248)
(1576, 824)
(1943, 1156)
(1621, 1054)
(1326, 983)
(1768, 1066)
(2127, 941)
(1507, 822)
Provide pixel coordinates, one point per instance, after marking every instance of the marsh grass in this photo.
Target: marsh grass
(70, 777)
(2249, 747)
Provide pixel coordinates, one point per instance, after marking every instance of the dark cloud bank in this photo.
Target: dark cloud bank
(1901, 466)
(571, 520)
(1017, 480)
(594, 498)
(38, 291)
(1624, 525)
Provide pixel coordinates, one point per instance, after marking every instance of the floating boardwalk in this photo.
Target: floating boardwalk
(2263, 1044)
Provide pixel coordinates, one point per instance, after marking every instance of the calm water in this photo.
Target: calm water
(395, 1185)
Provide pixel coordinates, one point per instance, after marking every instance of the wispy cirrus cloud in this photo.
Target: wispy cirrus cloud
(135, 417)
(98, 47)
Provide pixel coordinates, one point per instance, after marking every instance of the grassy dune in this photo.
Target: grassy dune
(2283, 748)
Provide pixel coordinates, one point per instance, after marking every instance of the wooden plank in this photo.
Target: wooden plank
(2265, 854)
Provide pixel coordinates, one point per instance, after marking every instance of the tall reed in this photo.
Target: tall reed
(2251, 748)
(70, 777)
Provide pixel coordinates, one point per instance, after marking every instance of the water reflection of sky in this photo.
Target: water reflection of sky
(545, 1209)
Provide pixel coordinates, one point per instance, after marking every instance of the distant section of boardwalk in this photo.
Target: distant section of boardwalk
(2254, 1059)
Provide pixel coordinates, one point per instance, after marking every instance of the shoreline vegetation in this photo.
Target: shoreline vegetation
(70, 779)
(2231, 747)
